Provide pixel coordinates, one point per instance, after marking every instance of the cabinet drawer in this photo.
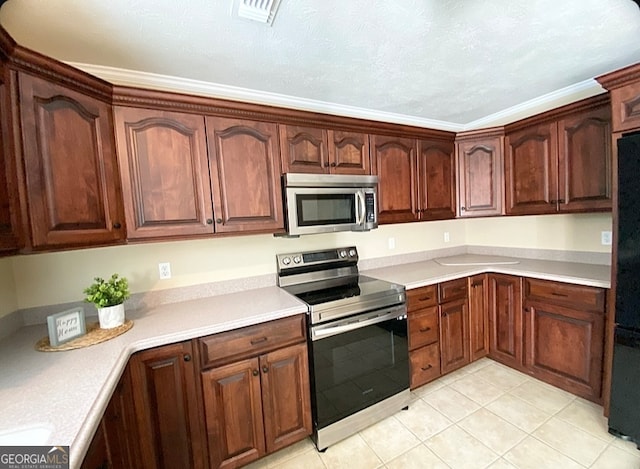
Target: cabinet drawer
(249, 341)
(578, 296)
(452, 290)
(423, 327)
(422, 298)
(424, 364)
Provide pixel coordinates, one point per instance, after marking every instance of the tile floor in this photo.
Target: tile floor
(482, 416)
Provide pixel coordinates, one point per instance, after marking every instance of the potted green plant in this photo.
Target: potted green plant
(109, 296)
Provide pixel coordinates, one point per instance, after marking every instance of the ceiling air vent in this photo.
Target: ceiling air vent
(262, 11)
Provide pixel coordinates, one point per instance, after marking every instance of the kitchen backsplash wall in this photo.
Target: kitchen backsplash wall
(54, 278)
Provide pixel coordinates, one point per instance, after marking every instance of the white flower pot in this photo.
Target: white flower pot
(111, 316)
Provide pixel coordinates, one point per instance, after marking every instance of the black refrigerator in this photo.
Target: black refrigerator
(624, 417)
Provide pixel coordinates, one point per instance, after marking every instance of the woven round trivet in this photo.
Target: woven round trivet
(94, 335)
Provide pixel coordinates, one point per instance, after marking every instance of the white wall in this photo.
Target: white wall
(51, 278)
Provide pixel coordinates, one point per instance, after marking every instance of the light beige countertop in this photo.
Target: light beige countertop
(420, 274)
(58, 398)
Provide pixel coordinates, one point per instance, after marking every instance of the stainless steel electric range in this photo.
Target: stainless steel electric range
(357, 341)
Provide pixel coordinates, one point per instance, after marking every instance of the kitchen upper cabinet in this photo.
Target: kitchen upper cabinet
(624, 87)
(531, 170)
(245, 175)
(480, 173)
(395, 160)
(9, 231)
(70, 169)
(562, 165)
(478, 316)
(316, 150)
(436, 180)
(584, 141)
(168, 407)
(165, 173)
(505, 319)
(564, 335)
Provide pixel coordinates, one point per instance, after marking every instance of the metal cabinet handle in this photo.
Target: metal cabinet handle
(259, 341)
(425, 329)
(187, 357)
(265, 369)
(561, 295)
(425, 368)
(424, 298)
(255, 372)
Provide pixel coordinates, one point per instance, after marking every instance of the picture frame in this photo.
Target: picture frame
(66, 326)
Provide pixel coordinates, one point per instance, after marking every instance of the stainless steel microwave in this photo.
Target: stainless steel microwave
(326, 203)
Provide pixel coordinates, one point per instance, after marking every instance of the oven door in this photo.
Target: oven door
(357, 362)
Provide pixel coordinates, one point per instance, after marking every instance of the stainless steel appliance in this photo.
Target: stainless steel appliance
(358, 349)
(324, 203)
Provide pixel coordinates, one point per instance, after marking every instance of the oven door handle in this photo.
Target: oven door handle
(322, 331)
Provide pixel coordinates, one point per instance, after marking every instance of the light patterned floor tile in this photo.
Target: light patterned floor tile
(308, 460)
(571, 441)
(543, 396)
(478, 364)
(428, 388)
(477, 389)
(494, 432)
(389, 439)
(419, 457)
(352, 453)
(423, 420)
(460, 450)
(534, 454)
(518, 412)
(451, 403)
(587, 416)
(616, 458)
(629, 446)
(501, 377)
(502, 464)
(453, 376)
(296, 449)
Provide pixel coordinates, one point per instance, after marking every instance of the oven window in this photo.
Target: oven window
(356, 369)
(325, 209)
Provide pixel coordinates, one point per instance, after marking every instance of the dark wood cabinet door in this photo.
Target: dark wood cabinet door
(97, 456)
(167, 405)
(564, 347)
(625, 105)
(165, 174)
(480, 177)
(70, 167)
(424, 365)
(233, 408)
(584, 142)
(303, 149)
(120, 426)
(285, 396)
(505, 319)
(531, 170)
(245, 175)
(395, 161)
(454, 335)
(436, 180)
(9, 211)
(478, 316)
(349, 152)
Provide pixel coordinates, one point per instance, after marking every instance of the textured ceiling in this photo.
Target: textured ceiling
(448, 60)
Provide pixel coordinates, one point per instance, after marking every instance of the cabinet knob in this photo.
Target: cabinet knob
(265, 369)
(117, 226)
(218, 220)
(187, 357)
(462, 209)
(333, 165)
(209, 221)
(255, 372)
(527, 310)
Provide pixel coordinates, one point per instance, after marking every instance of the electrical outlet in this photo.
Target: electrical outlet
(446, 237)
(605, 238)
(392, 243)
(165, 270)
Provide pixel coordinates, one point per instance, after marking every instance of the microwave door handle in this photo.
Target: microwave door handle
(360, 209)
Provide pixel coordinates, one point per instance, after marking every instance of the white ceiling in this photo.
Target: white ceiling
(449, 64)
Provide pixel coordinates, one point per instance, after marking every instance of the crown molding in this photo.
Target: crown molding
(154, 81)
(570, 94)
(123, 77)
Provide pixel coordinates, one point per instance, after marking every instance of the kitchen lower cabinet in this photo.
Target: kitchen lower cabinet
(259, 402)
(97, 456)
(454, 325)
(168, 407)
(424, 335)
(478, 317)
(505, 319)
(564, 335)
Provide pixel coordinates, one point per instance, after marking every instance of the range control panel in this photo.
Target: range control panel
(347, 255)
